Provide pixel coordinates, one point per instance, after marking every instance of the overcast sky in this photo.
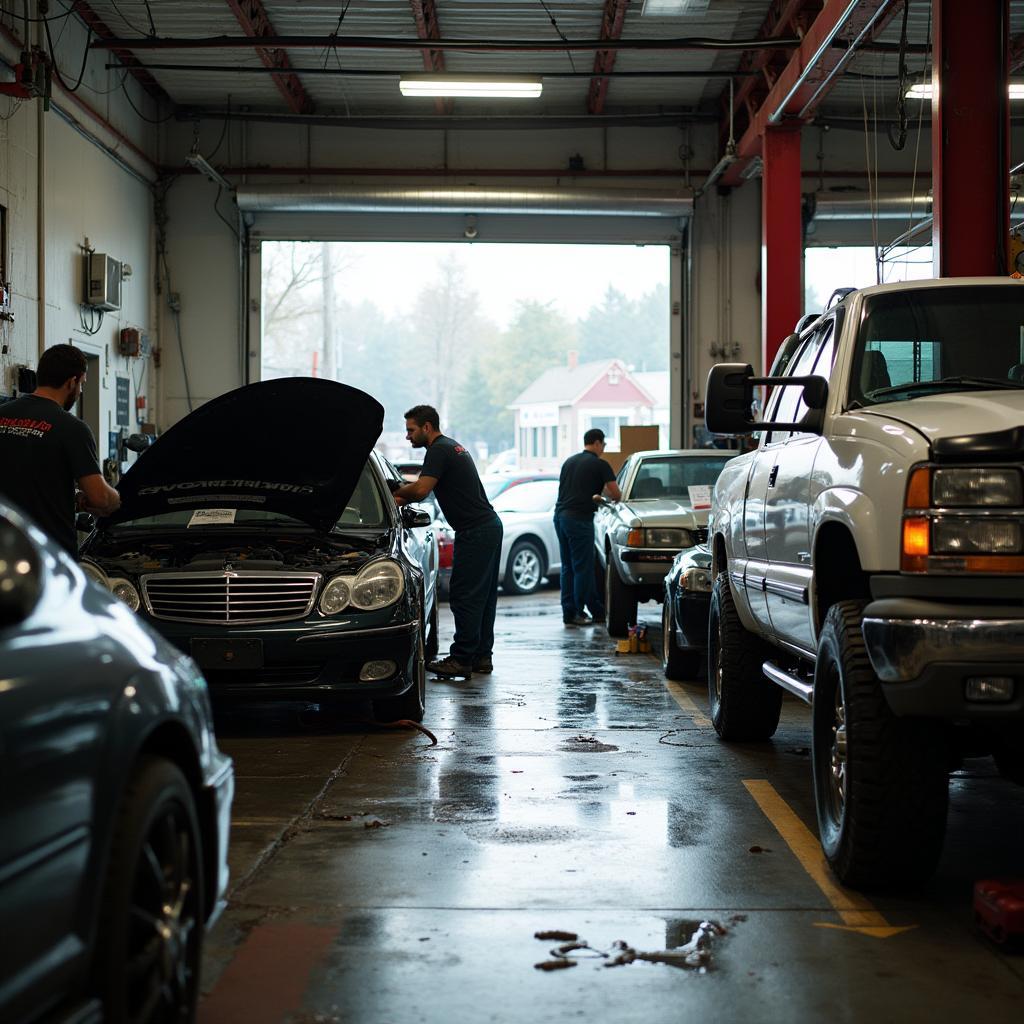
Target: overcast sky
(390, 274)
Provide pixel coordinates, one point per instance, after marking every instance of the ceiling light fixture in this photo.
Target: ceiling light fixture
(923, 91)
(525, 87)
(669, 8)
(198, 162)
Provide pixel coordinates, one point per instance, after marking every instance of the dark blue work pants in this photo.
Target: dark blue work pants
(473, 593)
(578, 577)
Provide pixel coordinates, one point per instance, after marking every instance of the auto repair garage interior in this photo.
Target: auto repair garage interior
(567, 837)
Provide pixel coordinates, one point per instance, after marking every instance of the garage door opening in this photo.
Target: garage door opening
(521, 348)
(827, 268)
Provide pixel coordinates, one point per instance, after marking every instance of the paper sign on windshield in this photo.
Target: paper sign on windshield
(700, 496)
(212, 516)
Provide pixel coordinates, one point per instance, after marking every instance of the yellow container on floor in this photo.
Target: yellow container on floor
(645, 647)
(622, 647)
(634, 644)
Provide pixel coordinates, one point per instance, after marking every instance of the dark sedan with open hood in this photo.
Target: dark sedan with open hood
(259, 535)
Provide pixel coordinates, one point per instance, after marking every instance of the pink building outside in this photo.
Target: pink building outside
(563, 403)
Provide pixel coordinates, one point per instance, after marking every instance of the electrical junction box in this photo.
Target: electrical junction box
(102, 281)
(130, 341)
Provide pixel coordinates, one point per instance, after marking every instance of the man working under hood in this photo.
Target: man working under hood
(448, 470)
(45, 450)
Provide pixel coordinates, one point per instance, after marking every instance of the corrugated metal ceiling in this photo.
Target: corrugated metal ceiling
(870, 82)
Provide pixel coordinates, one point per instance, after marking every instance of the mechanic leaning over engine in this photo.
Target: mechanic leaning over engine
(45, 451)
(448, 470)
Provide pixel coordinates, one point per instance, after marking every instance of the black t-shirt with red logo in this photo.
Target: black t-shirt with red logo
(458, 488)
(43, 452)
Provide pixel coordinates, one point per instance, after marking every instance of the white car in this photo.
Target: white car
(529, 551)
(638, 537)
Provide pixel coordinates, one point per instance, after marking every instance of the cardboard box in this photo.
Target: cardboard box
(633, 439)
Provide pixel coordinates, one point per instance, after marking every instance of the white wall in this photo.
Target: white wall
(96, 158)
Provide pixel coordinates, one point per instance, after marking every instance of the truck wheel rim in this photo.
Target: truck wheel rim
(716, 654)
(666, 633)
(837, 753)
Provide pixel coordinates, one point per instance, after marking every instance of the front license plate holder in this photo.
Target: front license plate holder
(215, 653)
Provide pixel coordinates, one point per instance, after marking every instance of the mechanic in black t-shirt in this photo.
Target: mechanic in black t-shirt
(45, 451)
(449, 472)
(583, 475)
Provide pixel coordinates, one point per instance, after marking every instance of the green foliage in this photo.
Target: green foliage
(633, 330)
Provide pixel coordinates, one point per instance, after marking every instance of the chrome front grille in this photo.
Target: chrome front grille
(234, 598)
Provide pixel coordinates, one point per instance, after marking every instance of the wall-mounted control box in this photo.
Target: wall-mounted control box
(102, 281)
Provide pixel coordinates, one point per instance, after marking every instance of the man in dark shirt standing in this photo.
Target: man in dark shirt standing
(583, 475)
(45, 451)
(448, 470)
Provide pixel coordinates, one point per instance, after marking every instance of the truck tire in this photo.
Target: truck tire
(744, 705)
(676, 664)
(619, 602)
(880, 782)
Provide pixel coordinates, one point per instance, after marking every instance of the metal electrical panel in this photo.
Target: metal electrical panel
(102, 281)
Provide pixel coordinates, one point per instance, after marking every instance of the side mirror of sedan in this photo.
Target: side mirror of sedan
(414, 517)
(138, 443)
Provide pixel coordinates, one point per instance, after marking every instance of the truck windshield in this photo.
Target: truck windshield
(938, 340)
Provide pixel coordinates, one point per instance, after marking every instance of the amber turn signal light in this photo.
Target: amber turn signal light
(919, 490)
(635, 539)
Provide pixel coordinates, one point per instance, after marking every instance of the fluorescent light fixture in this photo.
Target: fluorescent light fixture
(923, 91)
(672, 8)
(527, 87)
(203, 166)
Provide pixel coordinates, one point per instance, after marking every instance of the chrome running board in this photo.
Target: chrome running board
(794, 684)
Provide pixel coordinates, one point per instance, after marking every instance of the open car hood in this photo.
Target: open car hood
(295, 446)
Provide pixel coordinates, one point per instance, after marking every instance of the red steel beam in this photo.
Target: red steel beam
(795, 91)
(252, 16)
(427, 27)
(125, 56)
(970, 138)
(784, 18)
(604, 60)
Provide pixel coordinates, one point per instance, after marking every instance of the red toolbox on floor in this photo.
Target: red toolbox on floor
(999, 908)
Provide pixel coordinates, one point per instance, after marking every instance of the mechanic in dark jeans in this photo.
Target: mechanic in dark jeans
(583, 476)
(448, 470)
(46, 451)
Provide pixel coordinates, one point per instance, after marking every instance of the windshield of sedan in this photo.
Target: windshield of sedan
(365, 509)
(939, 340)
(532, 496)
(672, 476)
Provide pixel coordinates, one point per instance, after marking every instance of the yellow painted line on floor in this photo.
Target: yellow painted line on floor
(855, 910)
(686, 702)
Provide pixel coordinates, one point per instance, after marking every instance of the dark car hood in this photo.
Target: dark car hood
(295, 446)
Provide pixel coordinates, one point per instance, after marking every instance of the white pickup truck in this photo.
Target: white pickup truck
(868, 557)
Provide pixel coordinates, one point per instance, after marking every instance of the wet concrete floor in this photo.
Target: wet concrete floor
(377, 878)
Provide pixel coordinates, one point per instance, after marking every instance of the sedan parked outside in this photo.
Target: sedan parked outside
(529, 551)
(638, 537)
(114, 822)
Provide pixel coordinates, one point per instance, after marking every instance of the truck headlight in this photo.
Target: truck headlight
(378, 584)
(952, 488)
(966, 536)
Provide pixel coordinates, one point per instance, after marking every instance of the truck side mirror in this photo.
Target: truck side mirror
(729, 400)
(138, 443)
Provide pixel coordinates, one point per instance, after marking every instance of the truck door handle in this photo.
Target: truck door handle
(773, 475)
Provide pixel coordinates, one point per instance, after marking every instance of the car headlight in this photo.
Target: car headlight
(696, 579)
(965, 487)
(968, 536)
(336, 596)
(662, 538)
(378, 584)
(95, 573)
(125, 591)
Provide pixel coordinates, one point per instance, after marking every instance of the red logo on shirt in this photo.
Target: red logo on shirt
(459, 450)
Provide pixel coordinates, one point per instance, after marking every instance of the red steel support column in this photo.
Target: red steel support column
(781, 239)
(970, 138)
